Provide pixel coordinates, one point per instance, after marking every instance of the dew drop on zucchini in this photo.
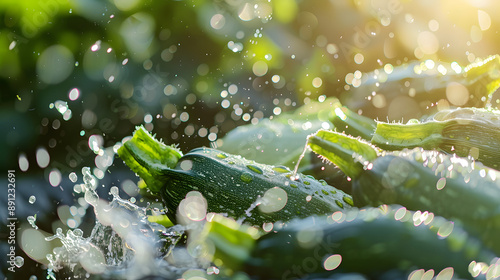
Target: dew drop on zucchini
(255, 168)
(246, 177)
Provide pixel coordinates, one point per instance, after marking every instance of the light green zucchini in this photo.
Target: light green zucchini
(464, 131)
(411, 90)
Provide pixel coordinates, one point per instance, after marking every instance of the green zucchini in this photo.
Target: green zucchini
(234, 185)
(370, 241)
(450, 186)
(412, 89)
(464, 131)
(253, 192)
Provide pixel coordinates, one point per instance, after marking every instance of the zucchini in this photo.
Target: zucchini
(453, 187)
(411, 89)
(370, 241)
(464, 131)
(253, 192)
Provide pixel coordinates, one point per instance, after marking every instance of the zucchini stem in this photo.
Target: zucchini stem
(147, 157)
(348, 153)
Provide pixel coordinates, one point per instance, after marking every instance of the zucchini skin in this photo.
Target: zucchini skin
(455, 188)
(425, 86)
(370, 241)
(462, 131)
(232, 185)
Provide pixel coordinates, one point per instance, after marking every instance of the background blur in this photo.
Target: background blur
(77, 76)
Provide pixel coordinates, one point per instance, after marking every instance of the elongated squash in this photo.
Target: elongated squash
(253, 192)
(450, 186)
(464, 131)
(410, 90)
(370, 241)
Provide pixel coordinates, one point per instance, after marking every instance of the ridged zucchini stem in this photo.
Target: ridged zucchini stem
(147, 157)
(397, 136)
(348, 153)
(353, 124)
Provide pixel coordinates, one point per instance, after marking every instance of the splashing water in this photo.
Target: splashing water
(123, 243)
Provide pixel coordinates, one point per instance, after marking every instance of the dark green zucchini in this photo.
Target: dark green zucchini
(370, 241)
(450, 186)
(464, 131)
(244, 189)
(253, 192)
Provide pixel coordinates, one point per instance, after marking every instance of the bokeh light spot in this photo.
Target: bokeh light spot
(217, 21)
(55, 64)
(55, 177)
(457, 94)
(332, 262)
(484, 20)
(42, 157)
(428, 42)
(260, 68)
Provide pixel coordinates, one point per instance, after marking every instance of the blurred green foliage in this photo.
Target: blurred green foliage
(195, 69)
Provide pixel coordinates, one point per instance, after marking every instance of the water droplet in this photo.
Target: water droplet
(441, 183)
(42, 157)
(212, 270)
(23, 162)
(55, 177)
(273, 200)
(246, 177)
(267, 227)
(31, 221)
(74, 94)
(91, 197)
(89, 180)
(340, 204)
(446, 229)
(281, 169)
(186, 165)
(19, 261)
(96, 46)
(255, 168)
(32, 199)
(114, 191)
(73, 177)
(332, 262)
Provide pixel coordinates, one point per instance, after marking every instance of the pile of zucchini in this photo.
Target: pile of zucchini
(423, 201)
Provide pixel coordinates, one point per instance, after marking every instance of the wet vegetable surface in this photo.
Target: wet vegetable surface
(368, 241)
(453, 187)
(253, 192)
(223, 96)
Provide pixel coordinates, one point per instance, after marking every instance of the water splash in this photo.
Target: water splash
(122, 245)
